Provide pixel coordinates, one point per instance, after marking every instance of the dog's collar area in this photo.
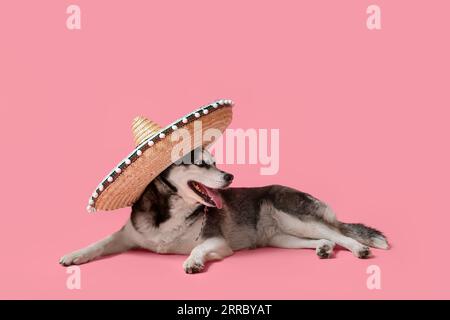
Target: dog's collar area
(200, 210)
(205, 211)
(196, 212)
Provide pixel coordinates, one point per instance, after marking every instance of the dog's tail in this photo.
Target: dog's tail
(366, 235)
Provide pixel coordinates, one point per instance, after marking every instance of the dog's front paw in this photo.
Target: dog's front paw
(325, 249)
(192, 266)
(77, 257)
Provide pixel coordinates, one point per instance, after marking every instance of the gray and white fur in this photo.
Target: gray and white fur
(172, 217)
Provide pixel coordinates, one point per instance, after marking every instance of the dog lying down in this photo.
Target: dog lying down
(189, 209)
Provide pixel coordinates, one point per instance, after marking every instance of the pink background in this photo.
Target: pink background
(363, 118)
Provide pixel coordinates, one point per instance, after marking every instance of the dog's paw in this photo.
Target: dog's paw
(192, 266)
(75, 258)
(363, 253)
(325, 249)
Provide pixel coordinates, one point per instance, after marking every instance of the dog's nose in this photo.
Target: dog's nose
(228, 177)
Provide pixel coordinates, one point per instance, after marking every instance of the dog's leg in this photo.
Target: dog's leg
(358, 249)
(116, 243)
(318, 230)
(211, 249)
(324, 248)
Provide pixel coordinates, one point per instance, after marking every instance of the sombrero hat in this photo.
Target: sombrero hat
(153, 154)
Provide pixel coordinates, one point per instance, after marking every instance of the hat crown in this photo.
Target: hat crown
(143, 129)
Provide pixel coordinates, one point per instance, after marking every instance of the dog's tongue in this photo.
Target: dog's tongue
(214, 195)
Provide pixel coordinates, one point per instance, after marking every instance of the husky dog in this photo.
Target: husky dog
(188, 209)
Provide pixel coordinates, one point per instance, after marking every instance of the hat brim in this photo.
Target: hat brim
(128, 180)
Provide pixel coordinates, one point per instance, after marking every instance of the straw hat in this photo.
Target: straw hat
(153, 154)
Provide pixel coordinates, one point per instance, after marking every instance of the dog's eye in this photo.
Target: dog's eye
(201, 164)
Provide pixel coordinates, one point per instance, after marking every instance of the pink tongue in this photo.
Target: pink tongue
(214, 195)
